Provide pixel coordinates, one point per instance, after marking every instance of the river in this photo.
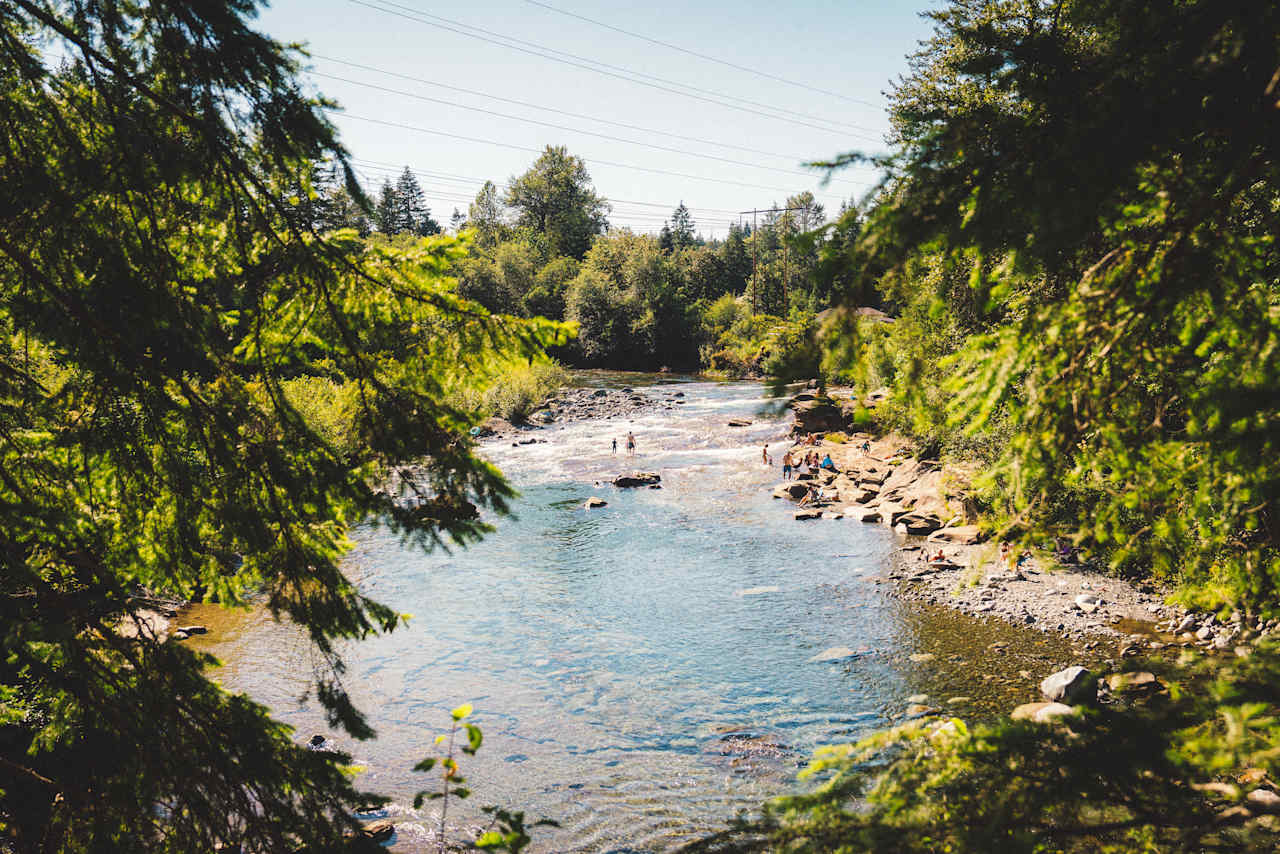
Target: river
(643, 671)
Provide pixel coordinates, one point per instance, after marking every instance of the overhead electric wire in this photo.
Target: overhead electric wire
(412, 14)
(792, 157)
(700, 213)
(714, 59)
(609, 137)
(614, 164)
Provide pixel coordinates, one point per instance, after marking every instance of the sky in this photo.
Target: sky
(721, 117)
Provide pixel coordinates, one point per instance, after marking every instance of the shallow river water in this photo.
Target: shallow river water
(642, 672)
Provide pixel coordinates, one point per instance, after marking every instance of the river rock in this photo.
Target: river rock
(378, 831)
(1087, 602)
(595, 502)
(918, 698)
(918, 523)
(794, 491)
(1054, 711)
(1072, 685)
(961, 535)
(1027, 711)
(637, 478)
(922, 657)
(1134, 683)
(192, 630)
(739, 422)
(1263, 800)
(817, 415)
(869, 516)
(834, 653)
(811, 513)
(916, 710)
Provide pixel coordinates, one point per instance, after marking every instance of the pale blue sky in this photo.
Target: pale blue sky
(853, 49)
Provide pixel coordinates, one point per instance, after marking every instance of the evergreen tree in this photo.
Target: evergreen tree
(457, 221)
(682, 228)
(386, 214)
(411, 211)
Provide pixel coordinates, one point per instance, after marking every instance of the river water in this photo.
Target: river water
(644, 671)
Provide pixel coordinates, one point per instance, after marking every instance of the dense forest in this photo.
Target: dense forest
(738, 306)
(218, 348)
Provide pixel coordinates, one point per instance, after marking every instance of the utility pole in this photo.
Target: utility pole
(755, 251)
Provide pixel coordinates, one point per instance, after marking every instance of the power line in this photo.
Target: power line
(716, 60)
(701, 213)
(538, 151)
(609, 137)
(792, 157)
(451, 176)
(417, 16)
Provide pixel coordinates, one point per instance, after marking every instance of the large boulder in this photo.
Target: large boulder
(637, 478)
(918, 523)
(960, 535)
(819, 415)
(378, 831)
(1072, 685)
(794, 491)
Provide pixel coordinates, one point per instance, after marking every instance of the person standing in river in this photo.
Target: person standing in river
(764, 455)
(615, 446)
(631, 444)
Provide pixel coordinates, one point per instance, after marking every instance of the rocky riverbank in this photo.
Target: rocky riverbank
(582, 404)
(945, 558)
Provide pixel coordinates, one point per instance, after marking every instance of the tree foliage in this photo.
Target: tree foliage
(163, 281)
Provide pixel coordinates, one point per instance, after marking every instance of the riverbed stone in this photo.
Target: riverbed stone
(593, 501)
(739, 422)
(1071, 685)
(803, 515)
(193, 630)
(922, 657)
(1134, 683)
(869, 516)
(834, 653)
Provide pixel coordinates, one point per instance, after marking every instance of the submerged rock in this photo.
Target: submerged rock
(835, 653)
(637, 478)
(378, 831)
(595, 502)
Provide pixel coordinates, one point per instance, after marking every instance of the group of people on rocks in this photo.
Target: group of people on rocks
(804, 463)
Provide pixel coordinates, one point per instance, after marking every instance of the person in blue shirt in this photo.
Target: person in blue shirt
(827, 464)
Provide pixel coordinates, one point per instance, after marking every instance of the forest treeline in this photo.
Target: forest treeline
(740, 305)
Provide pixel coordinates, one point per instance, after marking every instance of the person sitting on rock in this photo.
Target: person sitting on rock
(827, 464)
(938, 558)
(810, 496)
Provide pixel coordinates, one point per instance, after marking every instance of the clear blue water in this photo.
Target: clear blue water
(642, 671)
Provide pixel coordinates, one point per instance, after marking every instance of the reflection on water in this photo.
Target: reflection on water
(642, 671)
